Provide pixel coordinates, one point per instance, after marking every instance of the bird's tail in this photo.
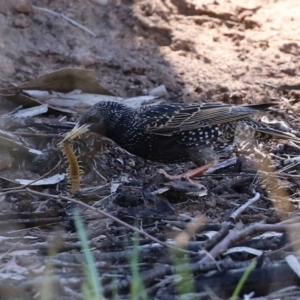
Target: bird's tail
(259, 131)
(262, 106)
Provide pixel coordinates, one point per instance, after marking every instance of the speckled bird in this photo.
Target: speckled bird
(175, 133)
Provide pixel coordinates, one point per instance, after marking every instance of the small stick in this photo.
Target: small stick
(66, 18)
(237, 213)
(101, 212)
(39, 178)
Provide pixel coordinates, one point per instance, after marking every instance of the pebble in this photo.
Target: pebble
(22, 21)
(131, 163)
(100, 2)
(22, 6)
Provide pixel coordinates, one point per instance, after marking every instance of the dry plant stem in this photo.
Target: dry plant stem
(227, 240)
(289, 245)
(238, 212)
(262, 228)
(26, 185)
(168, 280)
(66, 18)
(101, 212)
(221, 247)
(46, 135)
(294, 220)
(223, 232)
(252, 230)
(11, 249)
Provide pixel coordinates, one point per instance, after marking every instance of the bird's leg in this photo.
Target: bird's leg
(205, 158)
(188, 174)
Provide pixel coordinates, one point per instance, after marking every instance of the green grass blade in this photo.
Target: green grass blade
(243, 279)
(90, 269)
(137, 289)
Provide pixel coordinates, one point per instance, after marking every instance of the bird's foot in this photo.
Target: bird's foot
(189, 174)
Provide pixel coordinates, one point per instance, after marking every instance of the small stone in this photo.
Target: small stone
(5, 7)
(22, 6)
(211, 203)
(183, 45)
(100, 2)
(131, 163)
(22, 21)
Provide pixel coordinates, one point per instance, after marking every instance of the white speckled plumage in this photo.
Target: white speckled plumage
(172, 133)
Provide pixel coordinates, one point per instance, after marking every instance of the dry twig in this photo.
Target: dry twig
(103, 213)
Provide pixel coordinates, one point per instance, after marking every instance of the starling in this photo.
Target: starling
(175, 133)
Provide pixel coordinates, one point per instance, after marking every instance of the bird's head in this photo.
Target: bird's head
(94, 119)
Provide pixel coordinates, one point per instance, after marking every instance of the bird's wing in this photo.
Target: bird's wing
(169, 119)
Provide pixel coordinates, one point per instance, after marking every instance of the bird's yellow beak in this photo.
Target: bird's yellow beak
(76, 131)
